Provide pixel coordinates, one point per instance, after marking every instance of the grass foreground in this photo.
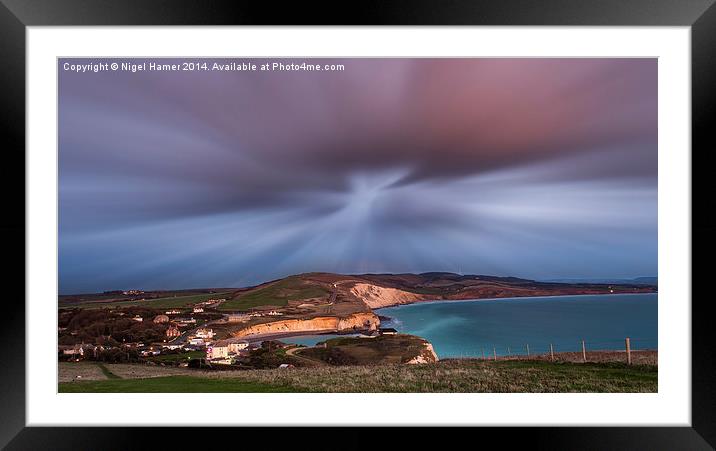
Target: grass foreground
(456, 376)
(171, 384)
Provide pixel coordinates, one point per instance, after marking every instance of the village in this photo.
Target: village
(181, 337)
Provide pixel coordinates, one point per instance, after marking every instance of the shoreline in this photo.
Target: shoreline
(278, 336)
(392, 321)
(442, 301)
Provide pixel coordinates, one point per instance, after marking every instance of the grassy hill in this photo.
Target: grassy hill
(381, 350)
(176, 300)
(320, 287)
(276, 294)
(449, 376)
(442, 285)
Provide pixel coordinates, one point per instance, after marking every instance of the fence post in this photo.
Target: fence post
(483, 353)
(584, 352)
(528, 349)
(494, 352)
(628, 351)
(551, 352)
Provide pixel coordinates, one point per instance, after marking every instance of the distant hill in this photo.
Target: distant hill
(439, 285)
(313, 294)
(635, 281)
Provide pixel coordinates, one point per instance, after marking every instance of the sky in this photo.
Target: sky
(535, 168)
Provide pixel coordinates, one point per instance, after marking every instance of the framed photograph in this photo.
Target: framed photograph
(463, 214)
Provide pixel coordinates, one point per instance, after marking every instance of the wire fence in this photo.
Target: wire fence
(628, 350)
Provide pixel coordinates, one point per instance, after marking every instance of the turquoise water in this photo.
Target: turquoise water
(466, 328)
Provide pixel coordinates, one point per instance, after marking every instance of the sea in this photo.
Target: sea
(509, 326)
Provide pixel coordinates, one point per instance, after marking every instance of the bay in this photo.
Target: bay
(508, 325)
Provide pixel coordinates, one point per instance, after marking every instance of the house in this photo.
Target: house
(285, 365)
(173, 331)
(171, 347)
(71, 350)
(197, 342)
(388, 331)
(237, 318)
(81, 350)
(235, 347)
(198, 310)
(274, 313)
(138, 318)
(218, 350)
(205, 333)
(172, 312)
(211, 302)
(159, 319)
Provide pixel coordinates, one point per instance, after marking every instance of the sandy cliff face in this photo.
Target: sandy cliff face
(426, 356)
(356, 321)
(377, 297)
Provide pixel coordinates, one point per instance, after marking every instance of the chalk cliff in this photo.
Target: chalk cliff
(427, 355)
(355, 321)
(376, 297)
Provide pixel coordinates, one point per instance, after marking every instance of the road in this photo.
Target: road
(332, 299)
(293, 352)
(184, 337)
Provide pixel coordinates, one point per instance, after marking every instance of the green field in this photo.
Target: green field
(181, 357)
(107, 373)
(449, 376)
(277, 294)
(160, 303)
(171, 384)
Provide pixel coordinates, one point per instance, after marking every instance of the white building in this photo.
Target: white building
(219, 350)
(237, 318)
(236, 346)
(205, 333)
(226, 361)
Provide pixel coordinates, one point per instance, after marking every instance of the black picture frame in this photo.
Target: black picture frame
(16, 15)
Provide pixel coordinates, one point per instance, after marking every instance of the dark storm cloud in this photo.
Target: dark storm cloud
(247, 138)
(412, 151)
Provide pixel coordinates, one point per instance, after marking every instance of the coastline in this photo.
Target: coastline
(278, 336)
(511, 298)
(505, 332)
